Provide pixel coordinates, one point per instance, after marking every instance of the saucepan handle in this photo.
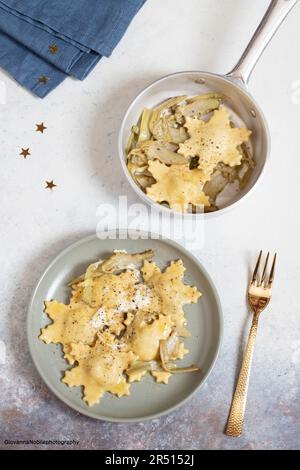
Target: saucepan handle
(273, 18)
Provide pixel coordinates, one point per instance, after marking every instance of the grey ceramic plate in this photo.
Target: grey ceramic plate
(147, 399)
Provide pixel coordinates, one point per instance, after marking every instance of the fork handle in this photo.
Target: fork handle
(236, 417)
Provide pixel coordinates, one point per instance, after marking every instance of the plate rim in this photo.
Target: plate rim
(151, 235)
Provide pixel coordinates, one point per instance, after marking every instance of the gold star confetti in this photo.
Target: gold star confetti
(53, 48)
(25, 153)
(43, 79)
(40, 127)
(50, 185)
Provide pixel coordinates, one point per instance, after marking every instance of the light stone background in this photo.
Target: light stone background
(79, 152)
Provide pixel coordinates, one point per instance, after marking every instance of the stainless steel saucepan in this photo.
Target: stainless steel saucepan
(234, 85)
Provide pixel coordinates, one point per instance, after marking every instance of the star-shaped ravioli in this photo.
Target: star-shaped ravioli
(111, 290)
(214, 141)
(177, 185)
(71, 324)
(125, 318)
(114, 295)
(100, 369)
(141, 333)
(170, 287)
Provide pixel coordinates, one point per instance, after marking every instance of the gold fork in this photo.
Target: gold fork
(259, 295)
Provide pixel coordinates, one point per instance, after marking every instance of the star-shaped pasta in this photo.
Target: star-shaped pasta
(214, 141)
(177, 185)
(125, 318)
(71, 324)
(171, 289)
(99, 370)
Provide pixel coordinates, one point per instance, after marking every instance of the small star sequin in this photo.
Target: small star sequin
(25, 153)
(43, 79)
(40, 127)
(53, 48)
(50, 185)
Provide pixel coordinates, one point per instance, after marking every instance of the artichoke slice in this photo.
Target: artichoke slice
(137, 157)
(144, 131)
(196, 109)
(144, 181)
(132, 139)
(120, 261)
(172, 368)
(159, 151)
(215, 186)
(141, 366)
(115, 263)
(163, 107)
(166, 129)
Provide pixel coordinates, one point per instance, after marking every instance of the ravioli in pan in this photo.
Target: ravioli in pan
(125, 318)
(187, 152)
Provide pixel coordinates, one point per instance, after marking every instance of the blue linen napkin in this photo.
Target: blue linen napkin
(43, 41)
(29, 70)
(77, 61)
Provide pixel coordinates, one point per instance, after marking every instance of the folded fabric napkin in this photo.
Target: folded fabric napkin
(44, 41)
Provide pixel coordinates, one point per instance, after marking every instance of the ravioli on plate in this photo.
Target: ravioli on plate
(125, 318)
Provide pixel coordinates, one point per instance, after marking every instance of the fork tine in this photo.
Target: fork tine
(256, 268)
(271, 277)
(265, 269)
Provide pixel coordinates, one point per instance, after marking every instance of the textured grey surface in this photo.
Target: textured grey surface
(30, 411)
(79, 152)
